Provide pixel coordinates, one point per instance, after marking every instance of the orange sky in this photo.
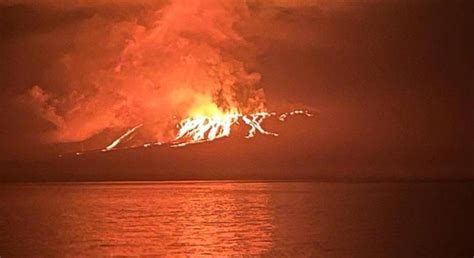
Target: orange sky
(389, 81)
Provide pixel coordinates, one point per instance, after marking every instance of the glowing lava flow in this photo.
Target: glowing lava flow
(121, 138)
(202, 128)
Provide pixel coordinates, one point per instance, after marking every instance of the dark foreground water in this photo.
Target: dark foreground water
(238, 218)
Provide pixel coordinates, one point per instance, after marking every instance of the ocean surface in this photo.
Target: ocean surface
(235, 218)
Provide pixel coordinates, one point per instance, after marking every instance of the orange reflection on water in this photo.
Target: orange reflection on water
(160, 219)
(221, 221)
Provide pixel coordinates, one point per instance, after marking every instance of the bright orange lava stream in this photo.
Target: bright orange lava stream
(200, 128)
(208, 128)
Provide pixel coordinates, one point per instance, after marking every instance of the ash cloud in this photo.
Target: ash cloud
(151, 69)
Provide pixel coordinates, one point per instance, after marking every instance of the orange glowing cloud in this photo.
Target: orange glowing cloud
(155, 70)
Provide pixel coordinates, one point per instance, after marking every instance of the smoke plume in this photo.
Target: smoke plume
(154, 68)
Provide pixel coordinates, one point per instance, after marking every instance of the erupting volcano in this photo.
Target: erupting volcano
(178, 75)
(200, 128)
